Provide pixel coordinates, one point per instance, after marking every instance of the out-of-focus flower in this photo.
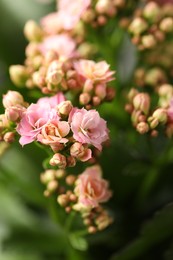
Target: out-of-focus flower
(52, 101)
(88, 127)
(96, 72)
(91, 189)
(62, 44)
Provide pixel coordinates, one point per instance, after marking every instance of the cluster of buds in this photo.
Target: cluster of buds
(52, 67)
(151, 25)
(146, 117)
(82, 193)
(71, 133)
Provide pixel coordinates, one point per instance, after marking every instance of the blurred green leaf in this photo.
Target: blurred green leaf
(153, 233)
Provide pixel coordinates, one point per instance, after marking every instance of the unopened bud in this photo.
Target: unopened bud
(155, 76)
(142, 127)
(18, 75)
(33, 31)
(60, 173)
(52, 186)
(96, 101)
(12, 98)
(138, 26)
(65, 107)
(58, 160)
(110, 94)
(88, 86)
(63, 200)
(47, 176)
(100, 91)
(166, 24)
(152, 11)
(9, 137)
(54, 77)
(84, 98)
(71, 161)
(161, 115)
(132, 93)
(70, 179)
(142, 102)
(148, 41)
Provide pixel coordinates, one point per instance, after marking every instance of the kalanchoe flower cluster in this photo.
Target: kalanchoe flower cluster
(71, 133)
(52, 67)
(151, 25)
(83, 193)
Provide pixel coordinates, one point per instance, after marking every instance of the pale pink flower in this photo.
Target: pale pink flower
(91, 189)
(52, 101)
(54, 132)
(67, 17)
(95, 72)
(33, 120)
(62, 44)
(88, 127)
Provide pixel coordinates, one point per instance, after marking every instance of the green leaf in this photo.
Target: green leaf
(153, 233)
(78, 242)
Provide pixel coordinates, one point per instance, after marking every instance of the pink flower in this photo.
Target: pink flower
(95, 72)
(54, 132)
(170, 111)
(88, 127)
(63, 44)
(52, 101)
(66, 18)
(33, 120)
(91, 189)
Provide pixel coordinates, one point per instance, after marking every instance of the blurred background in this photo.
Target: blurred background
(31, 226)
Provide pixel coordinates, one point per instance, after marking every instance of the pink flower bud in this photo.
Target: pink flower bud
(142, 102)
(9, 137)
(142, 127)
(63, 200)
(152, 11)
(100, 91)
(166, 24)
(48, 176)
(65, 107)
(138, 25)
(14, 113)
(77, 150)
(88, 86)
(12, 98)
(4, 122)
(84, 98)
(58, 160)
(161, 115)
(54, 77)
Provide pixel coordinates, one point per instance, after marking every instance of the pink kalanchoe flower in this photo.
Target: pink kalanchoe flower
(54, 133)
(33, 120)
(91, 189)
(88, 127)
(95, 72)
(63, 44)
(52, 101)
(170, 112)
(67, 17)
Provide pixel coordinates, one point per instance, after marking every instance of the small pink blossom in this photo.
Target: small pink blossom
(62, 44)
(95, 72)
(88, 127)
(52, 101)
(54, 132)
(33, 120)
(91, 189)
(170, 112)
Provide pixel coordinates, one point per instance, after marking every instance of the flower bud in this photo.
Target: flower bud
(71, 161)
(9, 137)
(152, 11)
(12, 98)
(161, 115)
(142, 102)
(63, 200)
(148, 41)
(33, 31)
(166, 24)
(59, 174)
(77, 149)
(102, 6)
(70, 179)
(58, 160)
(100, 91)
(84, 98)
(132, 93)
(65, 107)
(52, 186)
(138, 26)
(18, 75)
(47, 176)
(103, 221)
(88, 86)
(142, 127)
(54, 77)
(110, 94)
(96, 101)
(155, 77)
